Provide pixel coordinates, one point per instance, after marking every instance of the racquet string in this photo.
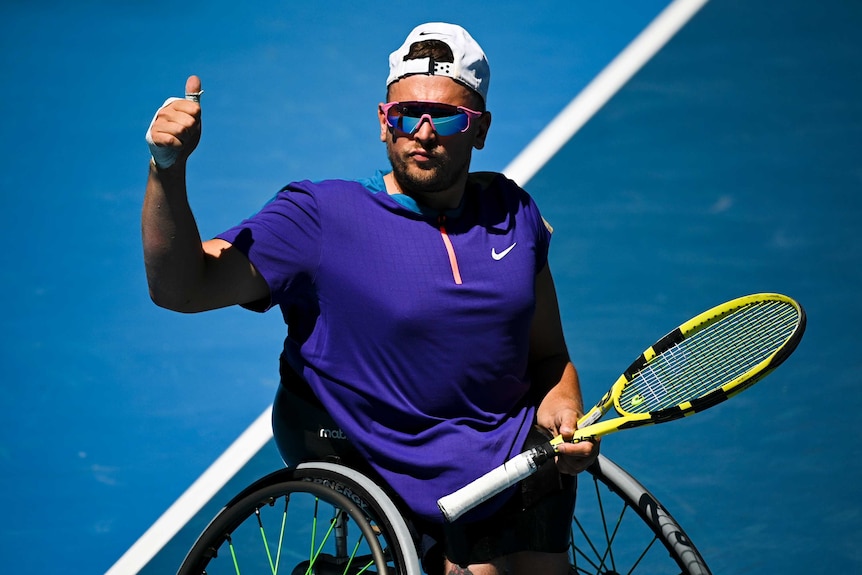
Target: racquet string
(712, 357)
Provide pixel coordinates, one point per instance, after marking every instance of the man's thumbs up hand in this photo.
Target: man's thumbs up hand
(175, 130)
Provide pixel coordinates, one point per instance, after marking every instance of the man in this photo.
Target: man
(419, 303)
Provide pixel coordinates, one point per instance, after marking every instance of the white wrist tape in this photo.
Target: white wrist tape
(165, 156)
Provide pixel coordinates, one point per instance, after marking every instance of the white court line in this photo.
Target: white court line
(196, 496)
(603, 87)
(522, 168)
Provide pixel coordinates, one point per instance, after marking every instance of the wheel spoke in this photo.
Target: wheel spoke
(324, 540)
(617, 526)
(329, 523)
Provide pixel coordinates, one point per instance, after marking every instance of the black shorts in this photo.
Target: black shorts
(538, 517)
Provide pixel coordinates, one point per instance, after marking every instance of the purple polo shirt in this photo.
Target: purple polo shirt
(411, 327)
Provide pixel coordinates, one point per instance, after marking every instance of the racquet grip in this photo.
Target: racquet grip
(519, 467)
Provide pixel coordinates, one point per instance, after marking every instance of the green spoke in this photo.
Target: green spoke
(316, 554)
(281, 534)
(233, 555)
(273, 565)
(265, 542)
(353, 555)
(313, 535)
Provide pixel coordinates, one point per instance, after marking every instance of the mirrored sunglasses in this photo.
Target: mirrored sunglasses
(445, 119)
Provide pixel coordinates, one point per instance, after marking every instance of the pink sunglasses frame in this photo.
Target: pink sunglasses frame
(471, 115)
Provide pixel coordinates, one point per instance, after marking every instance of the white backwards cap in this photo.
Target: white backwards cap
(469, 68)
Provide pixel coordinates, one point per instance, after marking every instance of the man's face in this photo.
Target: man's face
(425, 163)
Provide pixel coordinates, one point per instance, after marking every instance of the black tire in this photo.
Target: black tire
(608, 539)
(619, 527)
(376, 532)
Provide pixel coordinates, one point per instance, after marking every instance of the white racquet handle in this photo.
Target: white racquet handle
(519, 467)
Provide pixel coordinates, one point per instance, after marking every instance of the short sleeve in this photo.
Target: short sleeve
(282, 241)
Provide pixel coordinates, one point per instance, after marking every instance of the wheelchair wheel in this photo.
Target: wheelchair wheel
(327, 519)
(620, 527)
(318, 519)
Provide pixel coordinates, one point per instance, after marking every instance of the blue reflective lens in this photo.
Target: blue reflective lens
(408, 117)
(445, 126)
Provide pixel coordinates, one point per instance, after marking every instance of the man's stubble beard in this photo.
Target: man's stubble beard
(413, 180)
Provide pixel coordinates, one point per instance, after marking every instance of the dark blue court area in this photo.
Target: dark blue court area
(729, 163)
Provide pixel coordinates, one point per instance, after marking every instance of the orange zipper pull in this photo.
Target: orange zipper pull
(453, 261)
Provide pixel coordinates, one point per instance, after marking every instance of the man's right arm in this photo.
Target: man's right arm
(185, 274)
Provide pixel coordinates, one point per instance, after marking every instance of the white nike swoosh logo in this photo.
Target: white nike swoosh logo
(501, 255)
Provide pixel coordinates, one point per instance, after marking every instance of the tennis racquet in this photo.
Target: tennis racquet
(703, 362)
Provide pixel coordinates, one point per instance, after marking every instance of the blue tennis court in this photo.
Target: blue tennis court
(701, 163)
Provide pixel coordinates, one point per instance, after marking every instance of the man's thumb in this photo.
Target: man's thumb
(193, 89)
